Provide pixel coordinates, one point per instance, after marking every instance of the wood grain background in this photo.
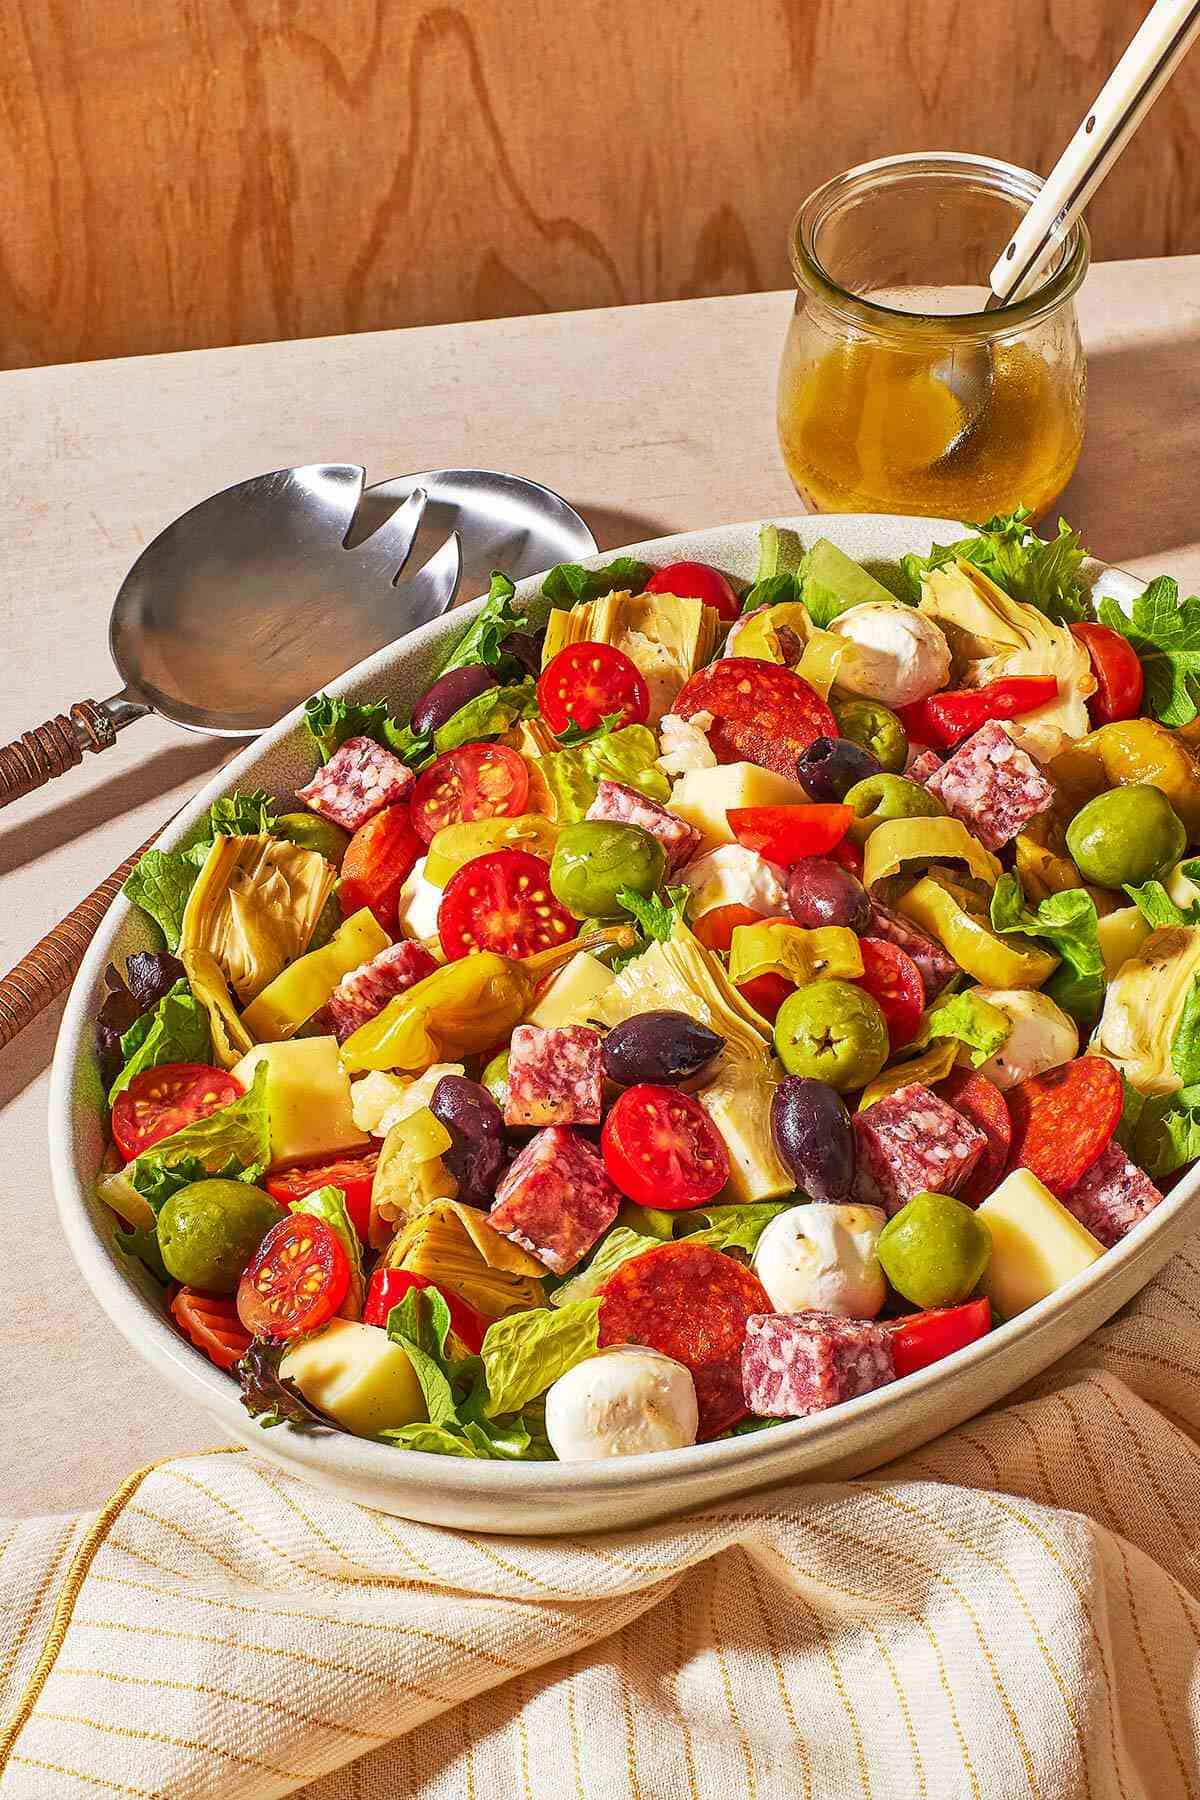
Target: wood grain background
(176, 173)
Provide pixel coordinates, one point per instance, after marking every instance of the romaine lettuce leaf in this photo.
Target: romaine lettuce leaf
(174, 1031)
(628, 755)
(1070, 925)
(1185, 1045)
(967, 1019)
(618, 1247)
(482, 640)
(569, 583)
(488, 715)
(777, 576)
(461, 1422)
(1163, 1133)
(230, 1143)
(733, 1227)
(525, 1353)
(138, 1249)
(420, 1324)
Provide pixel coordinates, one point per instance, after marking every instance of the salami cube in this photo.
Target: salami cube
(992, 785)
(359, 780)
(1112, 1197)
(625, 806)
(556, 1199)
(924, 764)
(366, 990)
(936, 965)
(794, 1364)
(554, 1076)
(911, 1143)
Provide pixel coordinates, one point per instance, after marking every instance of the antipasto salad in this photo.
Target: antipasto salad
(704, 1010)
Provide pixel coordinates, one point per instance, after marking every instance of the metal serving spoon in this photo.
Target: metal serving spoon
(242, 608)
(1157, 48)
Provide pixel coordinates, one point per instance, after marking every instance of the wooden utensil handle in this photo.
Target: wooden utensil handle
(52, 964)
(53, 748)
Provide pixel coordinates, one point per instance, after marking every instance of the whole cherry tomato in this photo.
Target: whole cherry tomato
(697, 581)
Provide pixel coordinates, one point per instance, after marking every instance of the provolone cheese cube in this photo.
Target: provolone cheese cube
(1036, 1244)
(572, 992)
(702, 797)
(308, 1099)
(358, 1376)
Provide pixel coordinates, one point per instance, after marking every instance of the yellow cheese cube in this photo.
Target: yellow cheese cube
(1037, 1244)
(1122, 934)
(702, 797)
(308, 1099)
(358, 1376)
(572, 992)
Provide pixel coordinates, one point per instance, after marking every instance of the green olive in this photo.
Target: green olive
(594, 860)
(495, 1078)
(877, 729)
(934, 1250)
(1129, 835)
(883, 797)
(311, 833)
(834, 1032)
(209, 1230)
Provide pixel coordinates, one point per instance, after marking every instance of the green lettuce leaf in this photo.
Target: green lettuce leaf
(970, 1020)
(488, 715)
(420, 1324)
(1046, 574)
(655, 917)
(243, 815)
(1068, 924)
(1157, 907)
(1185, 1045)
(733, 1227)
(777, 575)
(576, 734)
(618, 1247)
(481, 641)
(628, 755)
(569, 583)
(525, 1353)
(434, 1440)
(457, 1399)
(176, 1030)
(160, 883)
(138, 1249)
(1165, 632)
(329, 1203)
(230, 1143)
(330, 722)
(1163, 1133)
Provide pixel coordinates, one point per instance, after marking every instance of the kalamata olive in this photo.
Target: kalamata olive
(822, 892)
(813, 1135)
(476, 1124)
(658, 1047)
(829, 768)
(525, 647)
(448, 693)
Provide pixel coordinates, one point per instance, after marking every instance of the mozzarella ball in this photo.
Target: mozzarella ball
(625, 1401)
(821, 1258)
(731, 875)
(417, 907)
(895, 654)
(1042, 1036)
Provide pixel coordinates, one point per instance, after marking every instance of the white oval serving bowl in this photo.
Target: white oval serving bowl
(543, 1498)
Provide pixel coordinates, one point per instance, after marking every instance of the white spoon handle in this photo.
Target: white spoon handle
(1159, 45)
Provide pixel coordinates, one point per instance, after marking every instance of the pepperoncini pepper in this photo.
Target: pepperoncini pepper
(1128, 752)
(957, 920)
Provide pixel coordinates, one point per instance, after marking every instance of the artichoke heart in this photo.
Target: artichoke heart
(993, 637)
(683, 976)
(230, 1038)
(454, 1247)
(668, 638)
(1143, 1007)
(254, 907)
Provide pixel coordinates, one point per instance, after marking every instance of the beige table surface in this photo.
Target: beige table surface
(649, 419)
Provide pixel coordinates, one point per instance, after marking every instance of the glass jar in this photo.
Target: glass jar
(897, 392)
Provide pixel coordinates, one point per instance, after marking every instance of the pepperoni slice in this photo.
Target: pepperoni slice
(762, 712)
(692, 1303)
(982, 1102)
(893, 980)
(1063, 1120)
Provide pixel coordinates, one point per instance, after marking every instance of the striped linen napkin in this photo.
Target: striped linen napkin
(1014, 1611)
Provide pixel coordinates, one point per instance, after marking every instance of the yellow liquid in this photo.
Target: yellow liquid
(867, 428)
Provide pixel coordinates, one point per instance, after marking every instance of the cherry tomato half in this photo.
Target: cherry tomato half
(661, 1148)
(477, 781)
(1118, 674)
(502, 902)
(893, 980)
(762, 713)
(586, 683)
(377, 863)
(787, 834)
(352, 1174)
(919, 1339)
(212, 1324)
(697, 581)
(159, 1102)
(388, 1287)
(296, 1279)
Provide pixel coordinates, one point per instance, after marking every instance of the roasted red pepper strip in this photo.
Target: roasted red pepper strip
(946, 719)
(388, 1288)
(787, 834)
(925, 1337)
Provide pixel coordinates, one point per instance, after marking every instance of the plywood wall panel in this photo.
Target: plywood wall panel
(176, 173)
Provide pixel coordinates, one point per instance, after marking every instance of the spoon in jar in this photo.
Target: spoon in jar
(1157, 48)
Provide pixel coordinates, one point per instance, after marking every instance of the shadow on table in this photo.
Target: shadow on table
(62, 821)
(612, 527)
(27, 1055)
(1133, 494)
